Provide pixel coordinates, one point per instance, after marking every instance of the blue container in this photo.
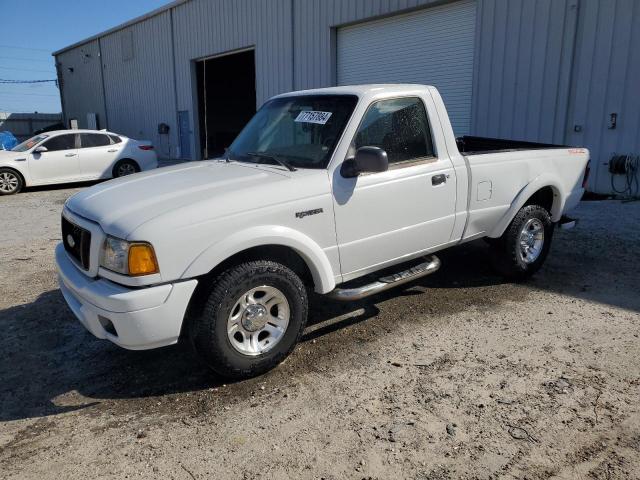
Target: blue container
(7, 141)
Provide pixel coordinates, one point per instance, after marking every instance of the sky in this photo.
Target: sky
(33, 29)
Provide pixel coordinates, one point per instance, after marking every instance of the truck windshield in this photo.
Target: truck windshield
(29, 144)
(298, 131)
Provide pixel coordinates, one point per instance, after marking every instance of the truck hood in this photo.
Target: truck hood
(217, 187)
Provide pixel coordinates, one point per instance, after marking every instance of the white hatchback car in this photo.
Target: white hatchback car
(64, 156)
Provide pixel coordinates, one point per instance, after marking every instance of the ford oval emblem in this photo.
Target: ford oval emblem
(71, 241)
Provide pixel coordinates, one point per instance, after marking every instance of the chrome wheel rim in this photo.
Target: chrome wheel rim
(531, 240)
(258, 320)
(126, 169)
(8, 182)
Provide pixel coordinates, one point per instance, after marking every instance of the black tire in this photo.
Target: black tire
(506, 254)
(125, 167)
(11, 182)
(208, 327)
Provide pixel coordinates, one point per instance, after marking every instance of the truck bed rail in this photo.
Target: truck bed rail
(471, 144)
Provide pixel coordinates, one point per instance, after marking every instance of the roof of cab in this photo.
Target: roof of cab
(361, 90)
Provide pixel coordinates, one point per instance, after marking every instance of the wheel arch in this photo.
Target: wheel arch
(124, 159)
(288, 246)
(25, 180)
(543, 191)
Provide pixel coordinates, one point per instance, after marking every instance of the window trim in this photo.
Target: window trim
(76, 140)
(94, 146)
(404, 163)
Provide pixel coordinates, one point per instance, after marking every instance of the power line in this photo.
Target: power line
(25, 69)
(26, 48)
(29, 94)
(9, 82)
(23, 59)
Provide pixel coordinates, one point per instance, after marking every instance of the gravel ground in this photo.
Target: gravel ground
(460, 375)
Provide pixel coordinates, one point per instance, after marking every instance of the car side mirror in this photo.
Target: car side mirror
(41, 149)
(366, 160)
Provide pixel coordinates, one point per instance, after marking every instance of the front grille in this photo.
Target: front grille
(77, 241)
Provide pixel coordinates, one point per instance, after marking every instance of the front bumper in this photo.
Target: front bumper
(133, 318)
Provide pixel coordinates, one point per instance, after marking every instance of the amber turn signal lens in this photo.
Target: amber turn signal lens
(142, 260)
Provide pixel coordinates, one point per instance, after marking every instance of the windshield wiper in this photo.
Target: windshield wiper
(287, 165)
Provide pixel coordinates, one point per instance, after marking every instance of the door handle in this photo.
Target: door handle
(113, 150)
(70, 154)
(438, 179)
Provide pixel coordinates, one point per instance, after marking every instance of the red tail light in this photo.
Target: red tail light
(145, 147)
(585, 179)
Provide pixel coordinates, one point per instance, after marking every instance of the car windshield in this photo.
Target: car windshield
(295, 132)
(29, 144)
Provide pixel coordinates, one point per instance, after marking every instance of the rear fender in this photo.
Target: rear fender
(524, 195)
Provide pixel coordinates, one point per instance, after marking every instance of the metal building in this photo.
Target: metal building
(188, 75)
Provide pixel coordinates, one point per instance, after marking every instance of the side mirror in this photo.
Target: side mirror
(41, 149)
(367, 160)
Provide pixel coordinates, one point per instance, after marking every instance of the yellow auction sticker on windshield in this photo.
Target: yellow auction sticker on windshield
(312, 116)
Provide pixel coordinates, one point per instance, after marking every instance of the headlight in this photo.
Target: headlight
(128, 258)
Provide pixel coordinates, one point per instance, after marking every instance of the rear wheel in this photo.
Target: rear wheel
(10, 181)
(524, 246)
(253, 316)
(125, 167)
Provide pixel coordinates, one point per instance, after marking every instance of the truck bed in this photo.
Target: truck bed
(470, 145)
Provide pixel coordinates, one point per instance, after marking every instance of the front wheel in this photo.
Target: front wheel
(524, 246)
(10, 182)
(252, 318)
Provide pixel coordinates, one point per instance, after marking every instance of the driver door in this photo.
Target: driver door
(387, 217)
(59, 163)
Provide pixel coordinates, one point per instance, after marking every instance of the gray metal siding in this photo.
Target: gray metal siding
(314, 30)
(540, 66)
(139, 91)
(83, 86)
(607, 80)
(524, 53)
(207, 28)
(437, 46)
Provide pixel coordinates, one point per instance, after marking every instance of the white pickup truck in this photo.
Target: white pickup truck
(320, 190)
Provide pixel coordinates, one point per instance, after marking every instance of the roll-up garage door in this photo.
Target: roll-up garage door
(433, 46)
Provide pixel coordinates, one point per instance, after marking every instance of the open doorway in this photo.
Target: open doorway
(226, 99)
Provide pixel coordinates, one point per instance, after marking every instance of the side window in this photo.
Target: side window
(61, 142)
(399, 126)
(115, 139)
(88, 140)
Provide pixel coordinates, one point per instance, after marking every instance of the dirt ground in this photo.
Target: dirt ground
(458, 376)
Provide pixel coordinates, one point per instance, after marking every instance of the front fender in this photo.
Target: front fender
(20, 167)
(542, 181)
(310, 251)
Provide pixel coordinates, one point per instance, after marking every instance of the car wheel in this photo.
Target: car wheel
(252, 317)
(10, 181)
(524, 246)
(124, 168)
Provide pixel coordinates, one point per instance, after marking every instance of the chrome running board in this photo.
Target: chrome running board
(429, 266)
